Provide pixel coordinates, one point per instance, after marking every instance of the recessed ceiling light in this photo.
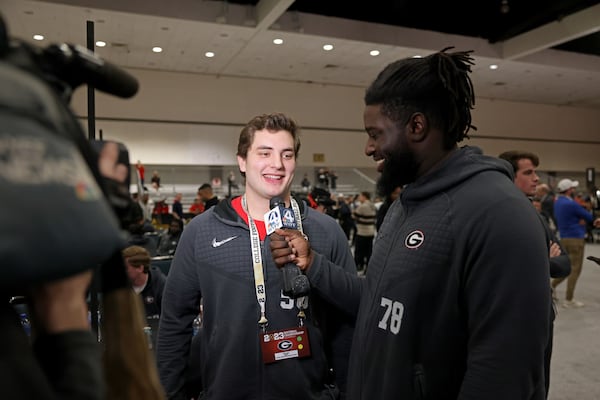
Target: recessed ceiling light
(493, 66)
(157, 49)
(209, 54)
(38, 37)
(374, 53)
(417, 56)
(277, 41)
(328, 47)
(100, 43)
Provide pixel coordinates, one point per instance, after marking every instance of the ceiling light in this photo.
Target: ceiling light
(417, 56)
(38, 37)
(100, 43)
(278, 41)
(328, 47)
(157, 49)
(209, 54)
(493, 66)
(374, 53)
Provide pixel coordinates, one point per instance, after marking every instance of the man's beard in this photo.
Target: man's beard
(397, 171)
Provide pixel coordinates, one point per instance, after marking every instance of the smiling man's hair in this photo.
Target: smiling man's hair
(513, 157)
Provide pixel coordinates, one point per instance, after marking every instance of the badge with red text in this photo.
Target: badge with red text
(284, 344)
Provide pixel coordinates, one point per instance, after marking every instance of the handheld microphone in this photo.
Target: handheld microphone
(77, 65)
(295, 284)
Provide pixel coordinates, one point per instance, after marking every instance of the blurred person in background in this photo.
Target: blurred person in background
(147, 281)
(572, 220)
(168, 241)
(524, 164)
(208, 197)
(365, 216)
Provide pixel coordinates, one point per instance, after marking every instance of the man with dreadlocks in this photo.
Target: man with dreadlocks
(456, 301)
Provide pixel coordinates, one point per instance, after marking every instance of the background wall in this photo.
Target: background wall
(193, 119)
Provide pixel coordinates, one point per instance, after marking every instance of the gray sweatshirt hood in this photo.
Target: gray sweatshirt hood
(461, 165)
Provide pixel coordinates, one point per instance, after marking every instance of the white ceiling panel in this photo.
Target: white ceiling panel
(186, 30)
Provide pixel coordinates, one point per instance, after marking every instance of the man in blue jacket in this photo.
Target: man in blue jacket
(456, 302)
(572, 219)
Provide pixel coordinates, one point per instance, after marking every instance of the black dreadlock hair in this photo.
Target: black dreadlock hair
(437, 86)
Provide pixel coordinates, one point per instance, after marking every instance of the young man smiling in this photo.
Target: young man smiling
(223, 260)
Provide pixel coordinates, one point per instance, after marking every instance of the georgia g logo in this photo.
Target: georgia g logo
(414, 239)
(284, 345)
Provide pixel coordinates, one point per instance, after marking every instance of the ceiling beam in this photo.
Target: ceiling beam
(569, 28)
(269, 11)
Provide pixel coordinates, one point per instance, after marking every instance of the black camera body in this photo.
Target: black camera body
(44, 154)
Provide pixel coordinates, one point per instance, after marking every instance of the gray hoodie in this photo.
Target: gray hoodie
(456, 303)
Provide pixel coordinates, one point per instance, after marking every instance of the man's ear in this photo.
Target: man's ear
(241, 164)
(417, 127)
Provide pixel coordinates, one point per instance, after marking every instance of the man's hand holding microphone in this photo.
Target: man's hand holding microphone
(291, 246)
